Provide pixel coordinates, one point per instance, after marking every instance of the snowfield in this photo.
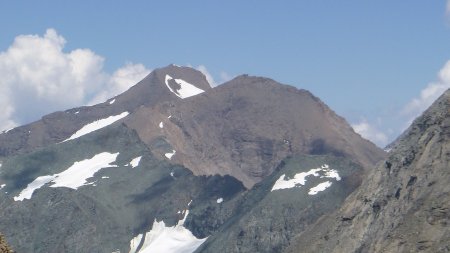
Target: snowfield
(96, 125)
(299, 179)
(186, 90)
(73, 177)
(163, 239)
(320, 187)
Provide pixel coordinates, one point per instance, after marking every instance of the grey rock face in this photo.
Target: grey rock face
(404, 203)
(117, 204)
(266, 220)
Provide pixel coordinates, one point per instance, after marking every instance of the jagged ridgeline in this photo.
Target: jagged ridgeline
(173, 165)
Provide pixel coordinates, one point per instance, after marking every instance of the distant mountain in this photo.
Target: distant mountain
(173, 165)
(403, 204)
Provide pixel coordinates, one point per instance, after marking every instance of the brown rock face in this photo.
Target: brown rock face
(245, 127)
(4, 248)
(403, 205)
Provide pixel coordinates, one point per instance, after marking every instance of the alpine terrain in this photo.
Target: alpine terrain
(252, 165)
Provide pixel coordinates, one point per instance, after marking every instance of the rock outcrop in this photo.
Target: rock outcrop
(403, 205)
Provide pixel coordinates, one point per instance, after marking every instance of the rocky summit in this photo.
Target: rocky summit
(252, 165)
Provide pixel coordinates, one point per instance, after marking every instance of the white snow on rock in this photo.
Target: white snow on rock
(5, 131)
(320, 187)
(163, 239)
(96, 125)
(77, 112)
(73, 177)
(169, 155)
(171, 174)
(161, 124)
(299, 179)
(219, 200)
(186, 90)
(105, 177)
(31, 187)
(112, 101)
(135, 162)
(2, 186)
(134, 243)
(170, 116)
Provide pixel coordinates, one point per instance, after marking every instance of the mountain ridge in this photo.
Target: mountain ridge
(180, 157)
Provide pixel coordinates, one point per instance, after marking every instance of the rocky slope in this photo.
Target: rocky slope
(246, 126)
(404, 203)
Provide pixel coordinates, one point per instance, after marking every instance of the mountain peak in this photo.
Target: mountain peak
(188, 74)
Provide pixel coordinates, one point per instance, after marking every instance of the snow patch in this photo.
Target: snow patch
(219, 200)
(96, 125)
(134, 243)
(31, 187)
(105, 177)
(300, 178)
(112, 101)
(73, 177)
(171, 174)
(135, 162)
(161, 124)
(6, 131)
(186, 90)
(163, 239)
(2, 186)
(170, 116)
(320, 187)
(77, 112)
(169, 155)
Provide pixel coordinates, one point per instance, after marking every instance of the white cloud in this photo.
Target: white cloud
(371, 132)
(121, 80)
(38, 77)
(224, 77)
(428, 95)
(208, 76)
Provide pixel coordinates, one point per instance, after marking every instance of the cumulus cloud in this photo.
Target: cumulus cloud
(38, 77)
(428, 95)
(121, 80)
(208, 76)
(224, 77)
(371, 132)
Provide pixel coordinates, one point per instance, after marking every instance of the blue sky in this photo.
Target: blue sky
(369, 61)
